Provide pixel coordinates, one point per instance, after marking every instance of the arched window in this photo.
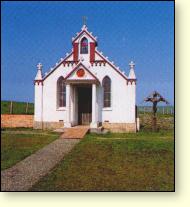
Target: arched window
(84, 46)
(107, 91)
(61, 92)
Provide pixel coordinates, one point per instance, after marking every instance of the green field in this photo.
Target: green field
(18, 107)
(115, 162)
(16, 144)
(164, 122)
(142, 161)
(161, 110)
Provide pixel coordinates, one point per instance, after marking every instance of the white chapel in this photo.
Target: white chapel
(85, 88)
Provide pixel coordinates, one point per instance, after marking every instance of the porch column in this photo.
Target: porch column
(68, 106)
(72, 108)
(94, 116)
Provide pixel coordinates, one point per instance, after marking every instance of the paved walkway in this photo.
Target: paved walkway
(23, 175)
(77, 132)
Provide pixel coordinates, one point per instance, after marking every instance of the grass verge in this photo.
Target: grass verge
(115, 162)
(16, 145)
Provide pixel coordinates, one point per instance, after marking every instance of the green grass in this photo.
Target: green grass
(116, 162)
(164, 122)
(16, 145)
(18, 107)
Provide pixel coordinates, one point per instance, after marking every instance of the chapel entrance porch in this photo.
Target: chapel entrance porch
(81, 103)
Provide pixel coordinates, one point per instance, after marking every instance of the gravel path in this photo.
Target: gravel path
(26, 173)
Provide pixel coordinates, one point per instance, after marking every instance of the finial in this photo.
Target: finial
(39, 72)
(132, 71)
(132, 65)
(39, 66)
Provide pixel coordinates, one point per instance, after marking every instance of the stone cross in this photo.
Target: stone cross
(155, 98)
(131, 64)
(39, 66)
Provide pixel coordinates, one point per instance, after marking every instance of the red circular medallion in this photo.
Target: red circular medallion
(80, 73)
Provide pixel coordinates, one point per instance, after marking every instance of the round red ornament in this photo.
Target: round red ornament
(80, 73)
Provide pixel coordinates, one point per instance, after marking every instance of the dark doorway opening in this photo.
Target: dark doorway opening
(84, 105)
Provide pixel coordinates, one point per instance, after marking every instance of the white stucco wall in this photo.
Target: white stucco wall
(50, 111)
(122, 108)
(122, 97)
(38, 102)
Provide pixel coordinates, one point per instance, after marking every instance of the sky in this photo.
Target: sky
(35, 32)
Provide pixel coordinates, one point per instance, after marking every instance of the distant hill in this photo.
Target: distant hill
(18, 107)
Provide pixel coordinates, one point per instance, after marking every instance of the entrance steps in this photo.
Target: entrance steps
(77, 132)
(99, 130)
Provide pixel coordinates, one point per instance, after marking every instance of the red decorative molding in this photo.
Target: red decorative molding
(131, 81)
(82, 81)
(80, 73)
(82, 66)
(69, 63)
(75, 51)
(38, 82)
(92, 51)
(98, 62)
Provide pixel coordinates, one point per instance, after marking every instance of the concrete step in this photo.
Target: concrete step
(61, 130)
(99, 130)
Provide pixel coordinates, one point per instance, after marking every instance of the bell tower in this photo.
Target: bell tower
(84, 45)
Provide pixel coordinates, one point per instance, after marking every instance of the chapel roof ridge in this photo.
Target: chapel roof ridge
(57, 65)
(122, 73)
(80, 63)
(84, 29)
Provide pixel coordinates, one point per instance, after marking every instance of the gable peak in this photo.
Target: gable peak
(84, 27)
(84, 32)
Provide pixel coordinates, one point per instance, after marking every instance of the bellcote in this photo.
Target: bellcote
(84, 45)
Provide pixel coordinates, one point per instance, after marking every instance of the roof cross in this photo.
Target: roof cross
(39, 66)
(84, 18)
(131, 64)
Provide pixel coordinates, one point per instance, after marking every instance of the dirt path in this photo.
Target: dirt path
(26, 173)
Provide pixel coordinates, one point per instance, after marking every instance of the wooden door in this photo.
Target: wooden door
(84, 105)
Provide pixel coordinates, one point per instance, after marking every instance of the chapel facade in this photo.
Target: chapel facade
(85, 88)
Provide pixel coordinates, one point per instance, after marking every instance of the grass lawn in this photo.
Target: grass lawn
(115, 162)
(16, 144)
